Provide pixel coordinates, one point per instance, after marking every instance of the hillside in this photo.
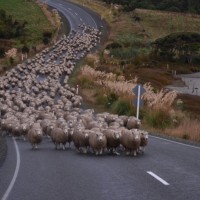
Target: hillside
(186, 6)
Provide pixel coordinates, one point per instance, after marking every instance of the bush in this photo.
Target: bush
(101, 99)
(85, 82)
(46, 40)
(113, 45)
(122, 107)
(47, 34)
(25, 49)
(111, 98)
(2, 52)
(160, 119)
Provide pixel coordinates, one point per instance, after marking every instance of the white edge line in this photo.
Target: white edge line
(158, 178)
(5, 196)
(187, 145)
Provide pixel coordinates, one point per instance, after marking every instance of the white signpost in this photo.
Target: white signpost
(138, 90)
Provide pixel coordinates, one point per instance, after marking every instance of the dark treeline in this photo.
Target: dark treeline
(10, 28)
(189, 6)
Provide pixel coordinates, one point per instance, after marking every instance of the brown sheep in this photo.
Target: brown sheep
(130, 140)
(144, 141)
(34, 137)
(81, 139)
(132, 123)
(113, 139)
(97, 142)
(59, 136)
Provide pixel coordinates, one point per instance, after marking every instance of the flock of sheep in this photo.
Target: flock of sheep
(37, 102)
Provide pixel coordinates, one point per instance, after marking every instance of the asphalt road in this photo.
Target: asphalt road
(49, 174)
(168, 170)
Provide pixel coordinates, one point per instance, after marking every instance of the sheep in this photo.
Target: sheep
(144, 141)
(81, 139)
(97, 142)
(132, 123)
(34, 136)
(59, 136)
(130, 140)
(113, 139)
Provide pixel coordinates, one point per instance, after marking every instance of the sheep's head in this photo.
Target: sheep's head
(99, 137)
(117, 135)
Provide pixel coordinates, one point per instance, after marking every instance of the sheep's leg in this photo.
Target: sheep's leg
(85, 150)
(134, 153)
(63, 147)
(128, 153)
(101, 151)
(115, 152)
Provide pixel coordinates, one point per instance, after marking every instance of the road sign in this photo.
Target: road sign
(135, 90)
(141, 102)
(138, 90)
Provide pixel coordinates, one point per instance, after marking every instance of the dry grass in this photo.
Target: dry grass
(117, 84)
(160, 23)
(187, 129)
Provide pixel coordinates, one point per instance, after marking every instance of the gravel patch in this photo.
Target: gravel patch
(191, 84)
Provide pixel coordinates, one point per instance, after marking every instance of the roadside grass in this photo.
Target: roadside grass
(29, 11)
(188, 129)
(161, 23)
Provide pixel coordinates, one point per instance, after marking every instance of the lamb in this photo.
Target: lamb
(35, 136)
(98, 142)
(130, 140)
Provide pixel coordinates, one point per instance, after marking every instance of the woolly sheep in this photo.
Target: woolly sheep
(59, 136)
(130, 140)
(34, 136)
(133, 122)
(97, 142)
(113, 139)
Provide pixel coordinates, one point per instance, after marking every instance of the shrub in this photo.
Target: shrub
(160, 119)
(101, 99)
(85, 82)
(114, 45)
(2, 52)
(111, 98)
(46, 40)
(122, 107)
(25, 49)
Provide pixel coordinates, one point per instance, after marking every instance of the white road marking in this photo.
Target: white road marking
(187, 145)
(81, 19)
(69, 9)
(158, 178)
(5, 196)
(76, 14)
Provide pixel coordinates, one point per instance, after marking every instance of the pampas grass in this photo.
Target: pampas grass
(109, 81)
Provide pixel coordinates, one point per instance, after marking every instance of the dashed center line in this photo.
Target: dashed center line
(158, 178)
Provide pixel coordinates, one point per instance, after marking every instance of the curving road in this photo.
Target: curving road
(168, 170)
